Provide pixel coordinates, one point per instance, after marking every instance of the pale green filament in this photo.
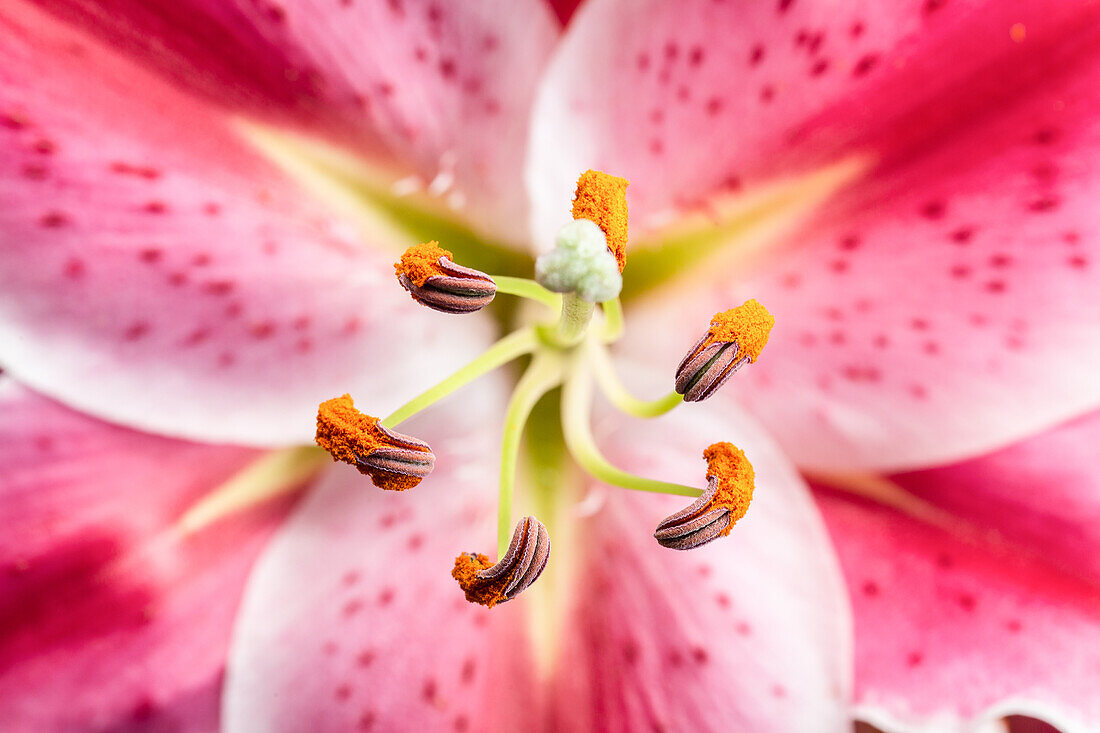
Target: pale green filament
(525, 288)
(612, 320)
(511, 346)
(543, 375)
(575, 403)
(619, 396)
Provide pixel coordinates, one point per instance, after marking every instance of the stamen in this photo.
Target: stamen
(433, 279)
(488, 583)
(735, 338)
(393, 461)
(528, 289)
(602, 198)
(730, 483)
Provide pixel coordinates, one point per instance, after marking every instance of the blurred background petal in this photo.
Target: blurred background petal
(108, 620)
(422, 88)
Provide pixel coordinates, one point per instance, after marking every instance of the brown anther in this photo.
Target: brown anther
(433, 279)
(602, 198)
(393, 461)
(735, 338)
(488, 583)
(730, 482)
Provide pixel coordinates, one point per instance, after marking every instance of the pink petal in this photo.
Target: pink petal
(941, 307)
(1042, 494)
(442, 90)
(107, 621)
(750, 632)
(351, 621)
(955, 627)
(699, 97)
(156, 272)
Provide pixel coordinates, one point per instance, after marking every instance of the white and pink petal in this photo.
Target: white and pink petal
(698, 98)
(751, 632)
(155, 270)
(934, 309)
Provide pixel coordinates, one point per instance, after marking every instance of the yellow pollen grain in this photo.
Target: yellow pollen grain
(421, 261)
(749, 324)
(736, 479)
(602, 198)
(349, 435)
(1018, 32)
(486, 592)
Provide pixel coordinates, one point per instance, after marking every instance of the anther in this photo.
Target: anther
(433, 279)
(393, 461)
(488, 583)
(735, 338)
(730, 482)
(602, 198)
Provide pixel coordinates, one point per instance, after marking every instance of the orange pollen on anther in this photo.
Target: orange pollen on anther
(602, 198)
(736, 479)
(421, 261)
(350, 436)
(478, 590)
(749, 324)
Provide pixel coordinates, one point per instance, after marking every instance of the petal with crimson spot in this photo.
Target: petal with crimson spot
(693, 98)
(748, 633)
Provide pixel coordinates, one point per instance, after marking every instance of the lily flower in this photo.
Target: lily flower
(202, 207)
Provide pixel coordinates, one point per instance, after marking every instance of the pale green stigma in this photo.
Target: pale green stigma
(581, 263)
